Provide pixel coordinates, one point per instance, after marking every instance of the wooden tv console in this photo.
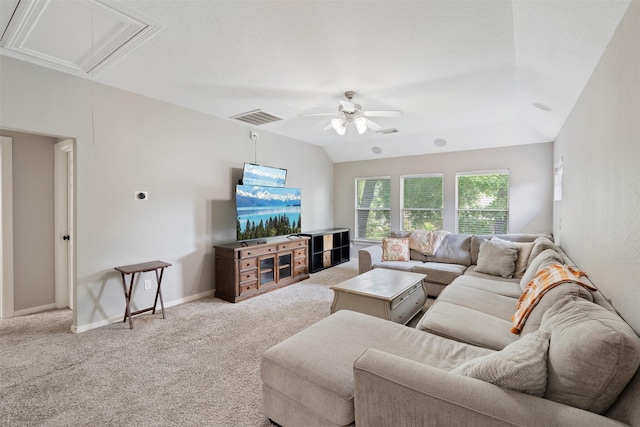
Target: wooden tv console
(247, 271)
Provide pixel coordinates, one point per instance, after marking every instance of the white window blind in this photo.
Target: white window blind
(421, 202)
(373, 216)
(482, 202)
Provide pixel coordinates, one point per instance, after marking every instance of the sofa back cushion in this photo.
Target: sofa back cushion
(549, 299)
(476, 241)
(593, 354)
(540, 245)
(546, 257)
(454, 249)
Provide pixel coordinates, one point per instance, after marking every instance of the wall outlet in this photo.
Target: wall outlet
(147, 285)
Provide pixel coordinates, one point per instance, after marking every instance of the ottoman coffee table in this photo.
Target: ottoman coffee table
(390, 294)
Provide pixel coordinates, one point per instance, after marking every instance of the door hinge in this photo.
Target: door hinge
(66, 237)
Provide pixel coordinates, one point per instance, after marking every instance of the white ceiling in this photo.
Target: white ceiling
(465, 71)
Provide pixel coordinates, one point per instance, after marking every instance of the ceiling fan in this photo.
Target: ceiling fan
(350, 112)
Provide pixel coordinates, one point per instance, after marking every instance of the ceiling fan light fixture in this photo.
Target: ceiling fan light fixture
(339, 126)
(361, 125)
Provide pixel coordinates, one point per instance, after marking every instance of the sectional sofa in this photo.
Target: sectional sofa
(572, 362)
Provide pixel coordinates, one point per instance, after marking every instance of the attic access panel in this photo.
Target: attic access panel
(82, 35)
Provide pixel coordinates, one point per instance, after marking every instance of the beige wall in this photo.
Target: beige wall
(530, 177)
(597, 221)
(33, 244)
(189, 163)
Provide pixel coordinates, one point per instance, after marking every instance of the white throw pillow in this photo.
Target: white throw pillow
(520, 366)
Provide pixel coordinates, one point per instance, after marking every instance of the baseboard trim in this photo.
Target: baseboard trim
(33, 310)
(78, 329)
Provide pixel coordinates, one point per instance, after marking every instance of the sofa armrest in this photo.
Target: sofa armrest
(391, 390)
(367, 256)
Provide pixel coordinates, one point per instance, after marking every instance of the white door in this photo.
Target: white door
(6, 226)
(64, 221)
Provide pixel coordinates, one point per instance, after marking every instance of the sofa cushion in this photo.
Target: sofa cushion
(477, 239)
(398, 265)
(395, 249)
(593, 354)
(487, 302)
(467, 325)
(454, 249)
(439, 272)
(497, 257)
(545, 258)
(520, 366)
(493, 284)
(549, 299)
(540, 245)
(545, 281)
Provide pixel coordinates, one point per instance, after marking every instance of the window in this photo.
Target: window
(557, 181)
(482, 202)
(421, 202)
(373, 214)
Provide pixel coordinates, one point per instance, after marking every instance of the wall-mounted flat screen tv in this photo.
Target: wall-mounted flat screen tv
(263, 175)
(264, 212)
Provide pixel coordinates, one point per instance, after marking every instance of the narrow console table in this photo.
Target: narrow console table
(158, 267)
(328, 248)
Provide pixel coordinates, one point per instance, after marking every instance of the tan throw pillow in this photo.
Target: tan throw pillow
(497, 257)
(395, 249)
(419, 241)
(520, 366)
(524, 250)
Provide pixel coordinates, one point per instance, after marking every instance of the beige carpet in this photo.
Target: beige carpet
(198, 367)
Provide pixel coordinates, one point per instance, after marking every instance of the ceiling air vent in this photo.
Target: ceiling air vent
(387, 131)
(257, 117)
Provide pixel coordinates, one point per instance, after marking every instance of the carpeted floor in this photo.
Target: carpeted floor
(198, 367)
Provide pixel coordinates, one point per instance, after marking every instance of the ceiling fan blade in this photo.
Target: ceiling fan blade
(347, 106)
(383, 113)
(330, 126)
(316, 114)
(373, 125)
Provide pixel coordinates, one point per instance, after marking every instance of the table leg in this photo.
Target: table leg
(127, 297)
(159, 292)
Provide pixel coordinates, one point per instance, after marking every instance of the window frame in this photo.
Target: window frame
(478, 173)
(357, 209)
(402, 197)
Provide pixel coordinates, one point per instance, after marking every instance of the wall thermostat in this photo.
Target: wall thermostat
(142, 195)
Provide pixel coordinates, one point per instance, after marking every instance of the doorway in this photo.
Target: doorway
(64, 230)
(60, 287)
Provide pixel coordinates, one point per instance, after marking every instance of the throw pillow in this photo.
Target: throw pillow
(419, 241)
(497, 258)
(524, 250)
(520, 366)
(395, 249)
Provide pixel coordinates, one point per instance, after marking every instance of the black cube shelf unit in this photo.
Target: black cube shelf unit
(328, 248)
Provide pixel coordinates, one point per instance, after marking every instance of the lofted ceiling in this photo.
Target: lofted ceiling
(467, 74)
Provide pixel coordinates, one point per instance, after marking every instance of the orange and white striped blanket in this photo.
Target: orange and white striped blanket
(546, 279)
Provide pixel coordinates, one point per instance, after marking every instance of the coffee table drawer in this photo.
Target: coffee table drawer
(408, 305)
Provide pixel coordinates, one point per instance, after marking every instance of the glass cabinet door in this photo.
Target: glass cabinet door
(284, 265)
(267, 270)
